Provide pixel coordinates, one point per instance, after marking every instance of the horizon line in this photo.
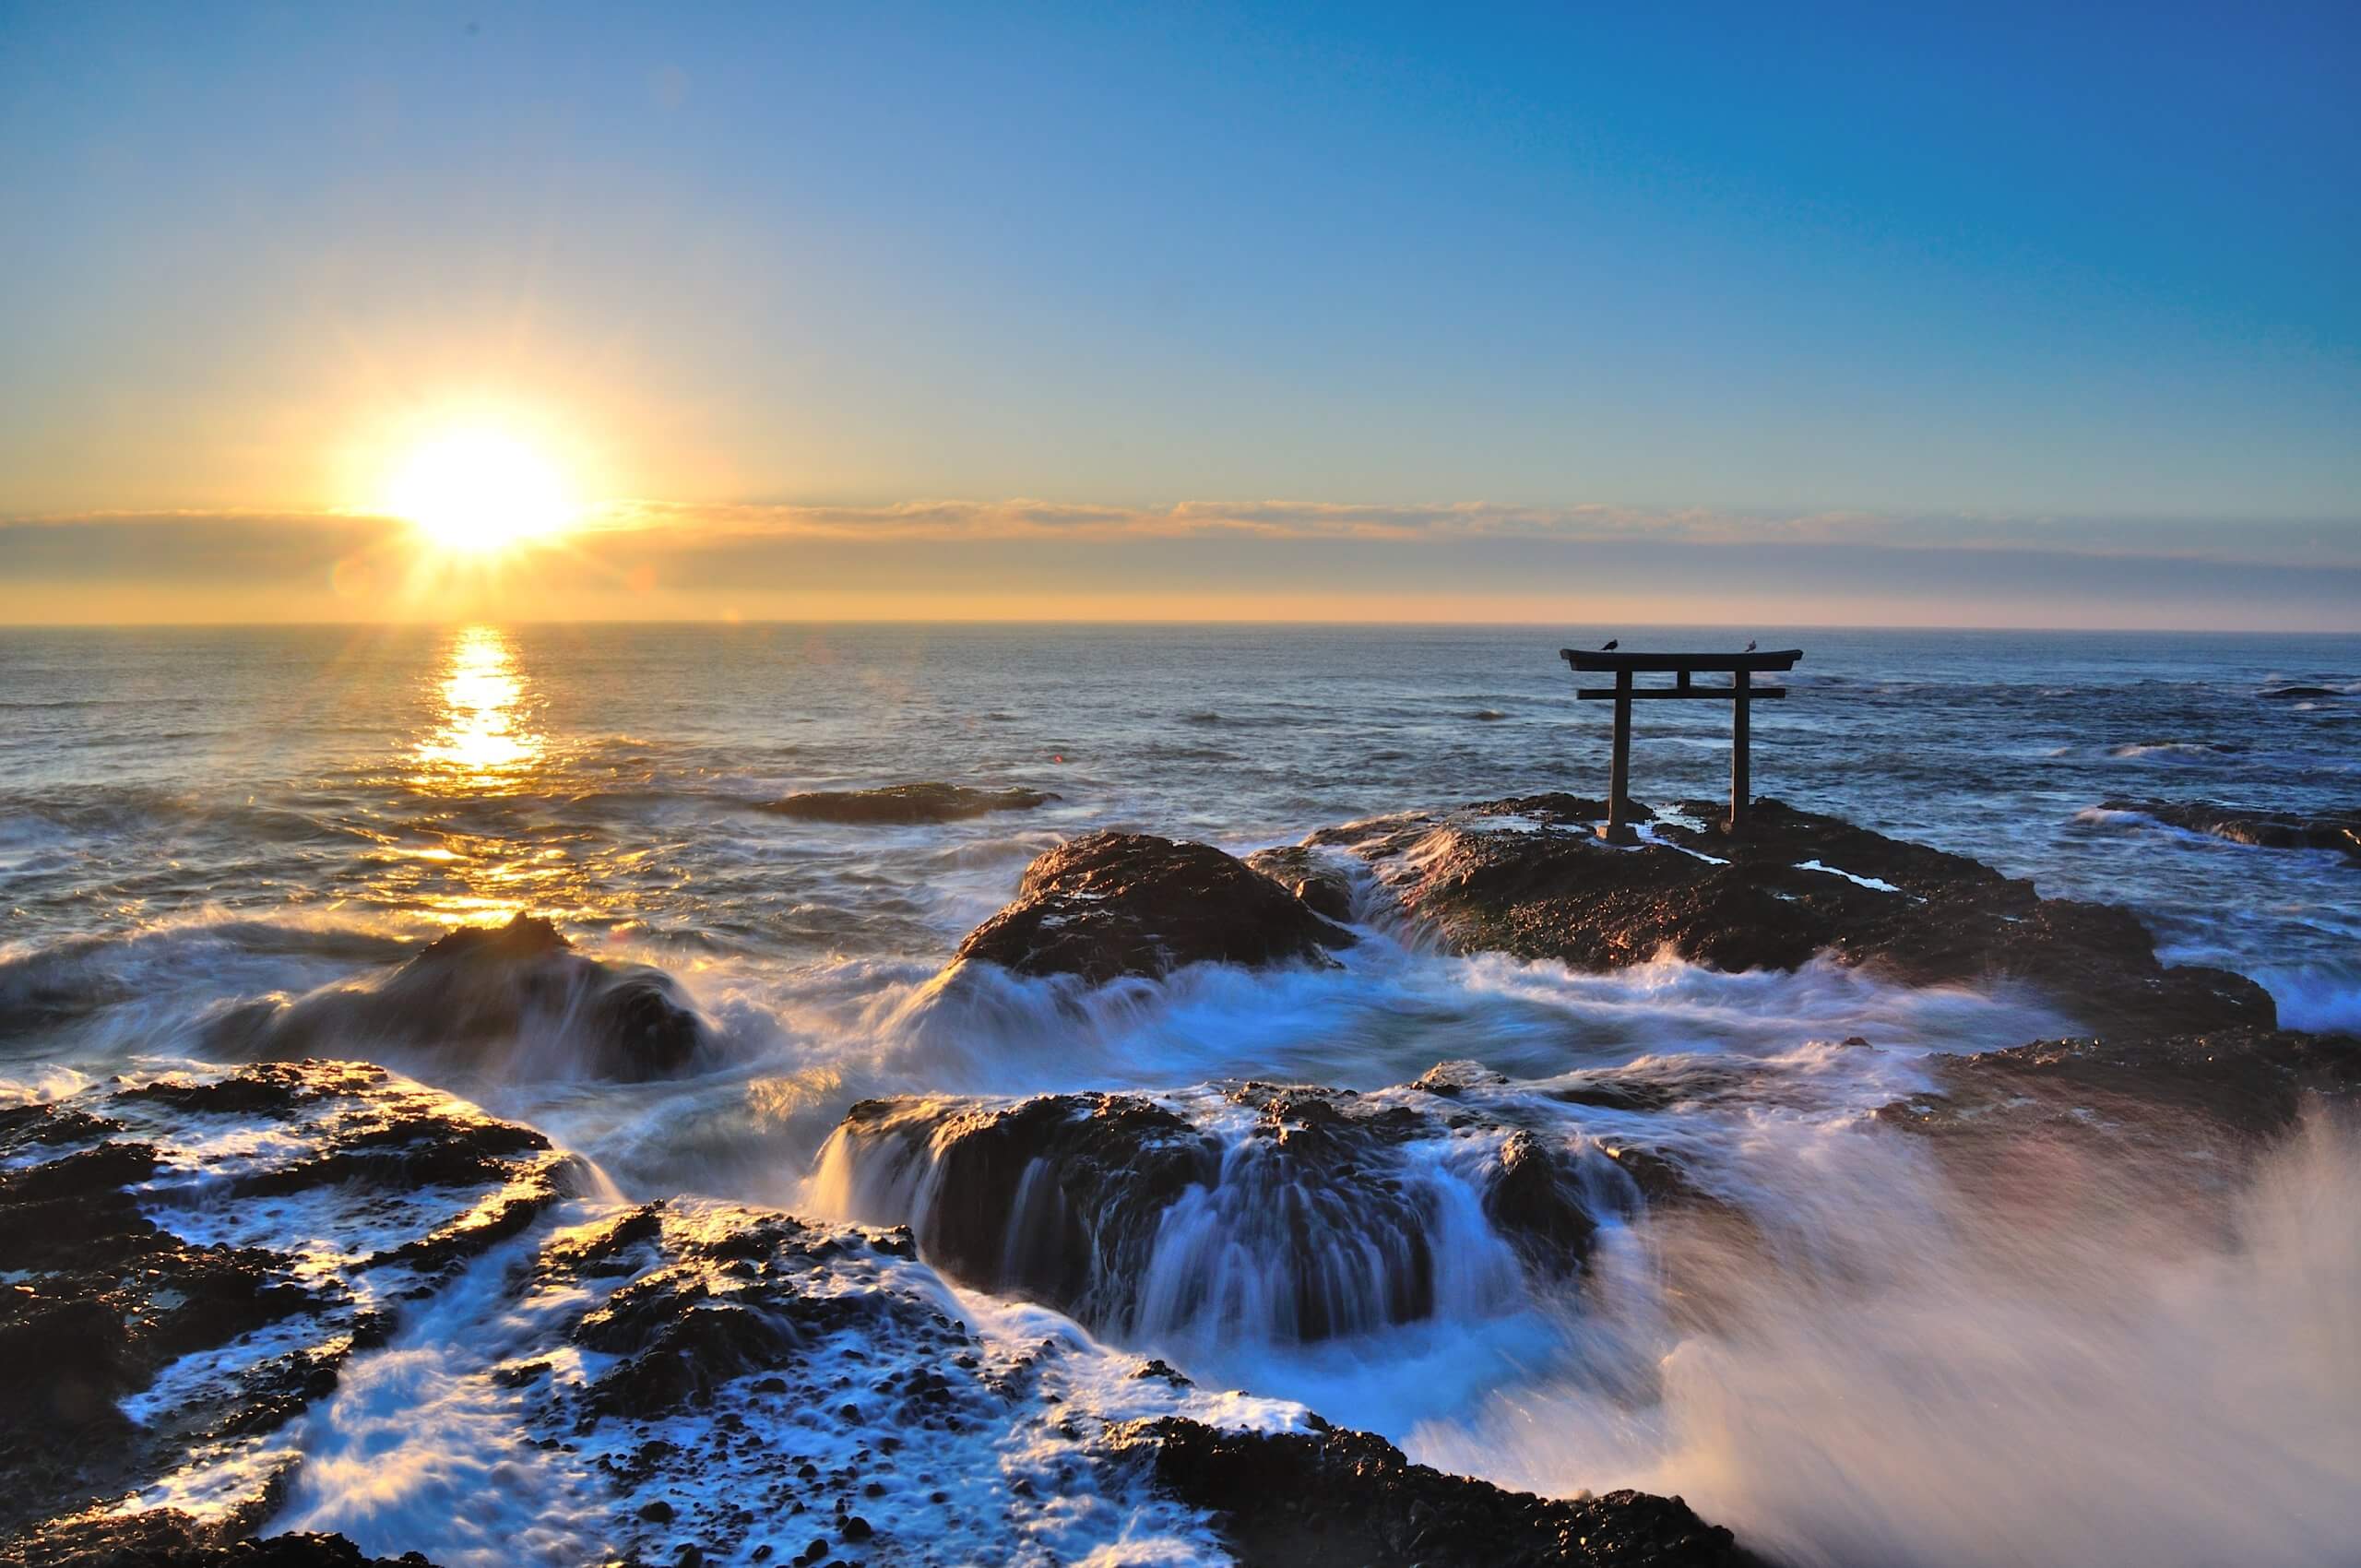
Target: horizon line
(446, 623)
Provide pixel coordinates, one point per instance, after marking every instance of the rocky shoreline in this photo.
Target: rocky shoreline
(198, 1262)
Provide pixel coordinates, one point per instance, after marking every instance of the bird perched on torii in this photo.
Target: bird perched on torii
(1611, 645)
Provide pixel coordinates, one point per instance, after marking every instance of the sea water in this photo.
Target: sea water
(195, 818)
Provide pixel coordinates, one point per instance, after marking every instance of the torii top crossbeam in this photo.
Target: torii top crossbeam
(1739, 693)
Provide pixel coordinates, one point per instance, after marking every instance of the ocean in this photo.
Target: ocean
(192, 819)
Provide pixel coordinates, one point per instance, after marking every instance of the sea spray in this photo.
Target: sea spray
(1921, 1380)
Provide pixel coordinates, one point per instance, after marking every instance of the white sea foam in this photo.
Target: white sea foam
(1876, 884)
(1944, 1384)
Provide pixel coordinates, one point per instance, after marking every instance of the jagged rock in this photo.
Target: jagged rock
(478, 986)
(106, 1297)
(1536, 1200)
(1324, 888)
(165, 1538)
(1337, 1499)
(904, 803)
(2340, 831)
(1112, 1162)
(1451, 1079)
(1790, 885)
(1108, 905)
(2249, 1083)
(1076, 1200)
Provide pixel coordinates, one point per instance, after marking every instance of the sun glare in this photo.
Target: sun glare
(479, 491)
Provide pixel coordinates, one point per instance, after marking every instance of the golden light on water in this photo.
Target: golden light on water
(484, 741)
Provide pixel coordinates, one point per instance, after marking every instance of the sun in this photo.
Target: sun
(478, 489)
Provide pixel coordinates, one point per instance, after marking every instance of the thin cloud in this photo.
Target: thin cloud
(694, 525)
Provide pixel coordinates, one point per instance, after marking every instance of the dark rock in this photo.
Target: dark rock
(46, 1126)
(2339, 831)
(905, 803)
(1537, 1202)
(1559, 893)
(1114, 1163)
(1349, 1499)
(1324, 889)
(481, 986)
(167, 1539)
(1112, 904)
(1064, 1199)
(681, 1346)
(656, 1512)
(1451, 1079)
(2252, 1084)
(2288, 694)
(522, 1375)
(426, 1151)
(105, 1295)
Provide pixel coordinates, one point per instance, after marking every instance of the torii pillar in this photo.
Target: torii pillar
(1740, 694)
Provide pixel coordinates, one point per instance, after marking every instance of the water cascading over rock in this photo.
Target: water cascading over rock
(1255, 1213)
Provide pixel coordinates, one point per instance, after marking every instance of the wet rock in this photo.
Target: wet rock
(167, 1539)
(2339, 831)
(106, 1297)
(25, 1127)
(1108, 905)
(477, 987)
(2290, 694)
(1048, 1198)
(1323, 887)
(2252, 1084)
(1791, 885)
(1540, 1203)
(1338, 1499)
(1451, 1079)
(900, 804)
(1144, 1216)
(682, 1347)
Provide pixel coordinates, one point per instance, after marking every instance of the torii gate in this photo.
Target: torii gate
(1739, 693)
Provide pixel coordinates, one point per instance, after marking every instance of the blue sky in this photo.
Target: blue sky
(2064, 272)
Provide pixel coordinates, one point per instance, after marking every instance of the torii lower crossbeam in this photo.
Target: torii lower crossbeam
(1740, 694)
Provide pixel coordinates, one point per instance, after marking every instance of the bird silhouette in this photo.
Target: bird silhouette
(1611, 645)
(1750, 644)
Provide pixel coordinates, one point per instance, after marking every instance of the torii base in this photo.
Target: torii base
(1741, 694)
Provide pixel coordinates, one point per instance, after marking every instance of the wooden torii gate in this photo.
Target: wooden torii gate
(1739, 693)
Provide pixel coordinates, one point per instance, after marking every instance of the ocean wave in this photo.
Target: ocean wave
(159, 967)
(2317, 997)
(2178, 749)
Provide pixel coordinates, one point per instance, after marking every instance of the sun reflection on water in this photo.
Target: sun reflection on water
(484, 741)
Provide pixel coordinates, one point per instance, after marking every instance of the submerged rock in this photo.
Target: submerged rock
(478, 987)
(1337, 1499)
(1527, 877)
(1108, 905)
(2340, 831)
(900, 804)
